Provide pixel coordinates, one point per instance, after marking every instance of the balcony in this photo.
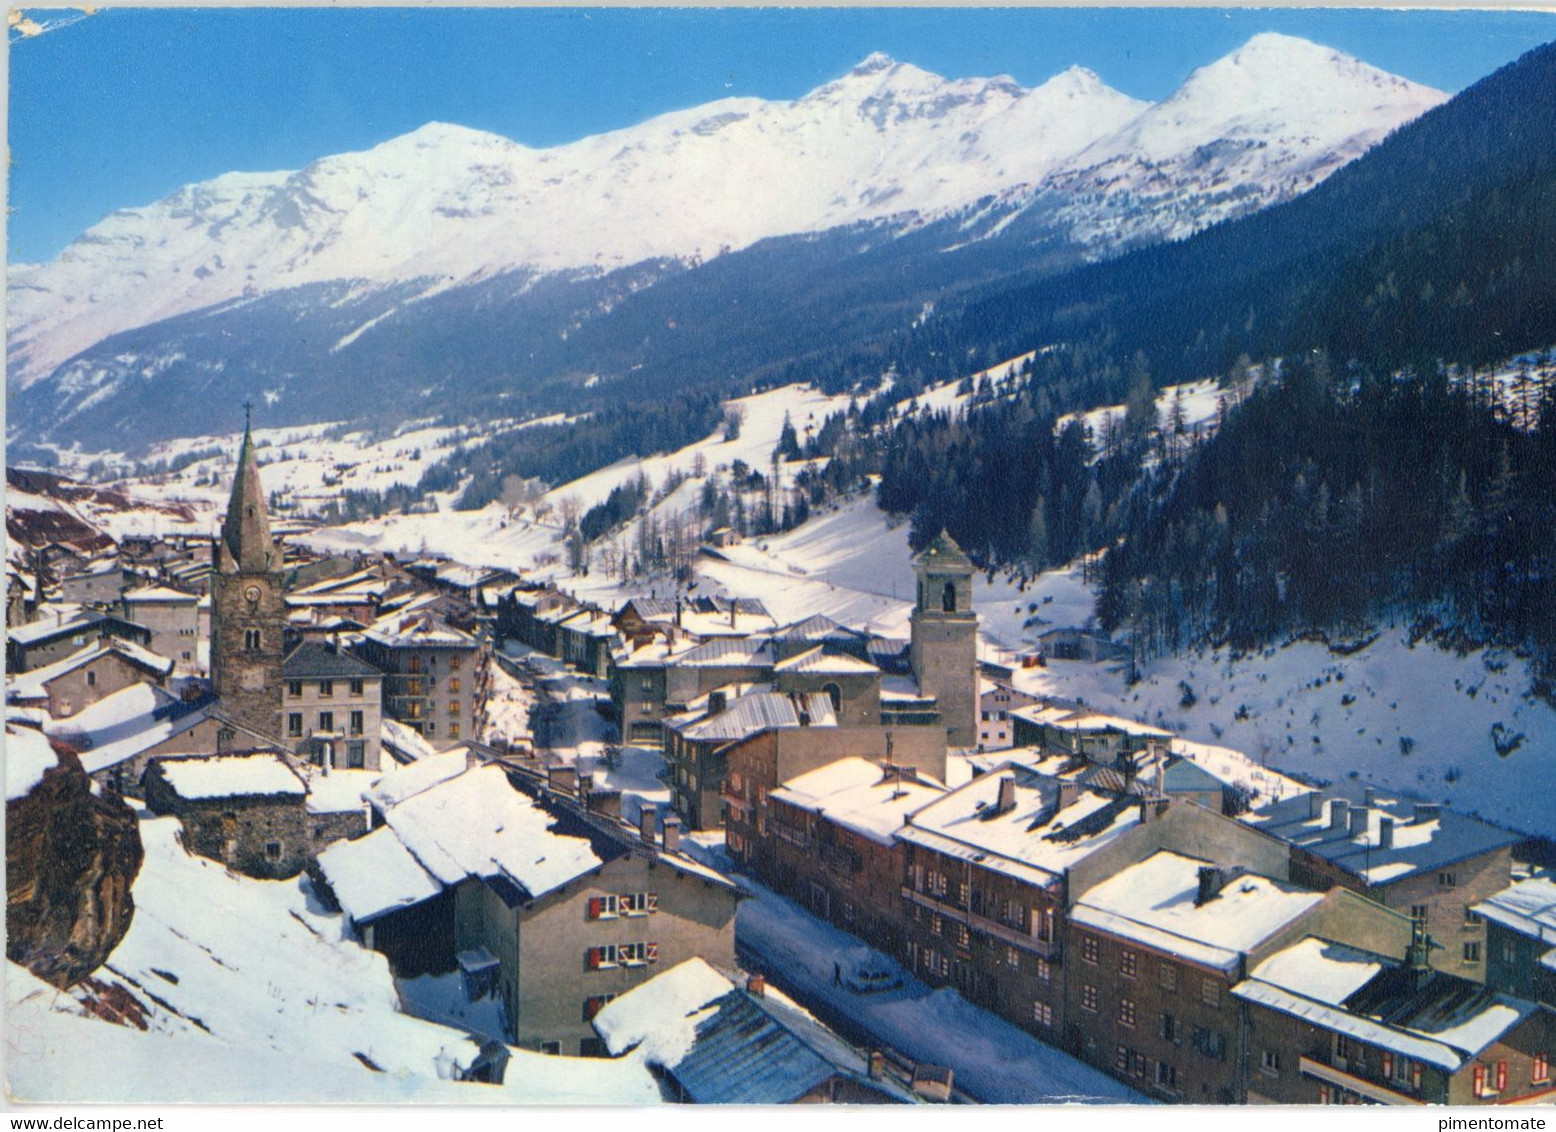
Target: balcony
(1362, 1087)
(1015, 937)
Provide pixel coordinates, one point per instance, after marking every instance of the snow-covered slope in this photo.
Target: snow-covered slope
(445, 205)
(242, 991)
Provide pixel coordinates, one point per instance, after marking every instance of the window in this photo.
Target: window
(1089, 948)
(1012, 957)
(1126, 1012)
(1418, 912)
(415, 664)
(357, 722)
(1470, 917)
(294, 724)
(1170, 1029)
(454, 707)
(326, 721)
(606, 907)
(1540, 1071)
(1167, 976)
(552, 1048)
(1043, 1014)
(455, 661)
(91, 678)
(1128, 960)
(594, 1004)
(936, 925)
(432, 728)
(1509, 951)
(1447, 879)
(453, 684)
(356, 754)
(963, 936)
(601, 958)
(1090, 998)
(1472, 951)
(251, 640)
(1211, 1043)
(1210, 992)
(1044, 970)
(638, 903)
(356, 687)
(1270, 1062)
(273, 850)
(1121, 1059)
(1166, 1076)
(413, 686)
(326, 688)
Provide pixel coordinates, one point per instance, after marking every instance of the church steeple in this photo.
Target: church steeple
(246, 546)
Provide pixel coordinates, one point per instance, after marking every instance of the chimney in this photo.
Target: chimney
(1069, 792)
(1007, 795)
(1426, 811)
(672, 833)
(1369, 796)
(677, 612)
(646, 815)
(1338, 809)
(1209, 885)
(1385, 833)
(717, 701)
(756, 986)
(1358, 818)
(585, 785)
(562, 778)
(1315, 804)
(877, 1065)
(607, 802)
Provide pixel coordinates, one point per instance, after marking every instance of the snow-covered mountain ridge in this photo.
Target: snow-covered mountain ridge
(453, 206)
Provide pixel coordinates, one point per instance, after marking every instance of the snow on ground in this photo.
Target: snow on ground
(251, 995)
(1200, 401)
(508, 706)
(994, 1061)
(28, 757)
(1417, 719)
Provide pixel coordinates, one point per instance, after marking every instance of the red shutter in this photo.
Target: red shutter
(594, 958)
(1388, 1064)
(653, 902)
(595, 903)
(1479, 1078)
(1501, 1076)
(653, 953)
(1415, 1076)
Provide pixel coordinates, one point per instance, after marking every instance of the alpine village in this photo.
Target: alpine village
(1086, 640)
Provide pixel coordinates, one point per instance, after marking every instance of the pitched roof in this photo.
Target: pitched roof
(759, 711)
(317, 660)
(1156, 903)
(1528, 908)
(245, 534)
(943, 554)
(30, 685)
(160, 595)
(1425, 838)
(375, 875)
(860, 795)
(819, 662)
(231, 776)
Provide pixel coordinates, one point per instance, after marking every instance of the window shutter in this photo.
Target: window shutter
(1501, 1075)
(1415, 1076)
(594, 907)
(653, 953)
(653, 902)
(1479, 1078)
(1388, 1064)
(594, 958)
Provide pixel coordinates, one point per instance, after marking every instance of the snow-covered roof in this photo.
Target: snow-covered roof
(1083, 721)
(406, 740)
(1320, 969)
(1340, 1021)
(160, 595)
(126, 723)
(28, 757)
(819, 662)
(753, 652)
(231, 776)
(860, 795)
(339, 791)
(1154, 903)
(417, 630)
(478, 825)
(50, 626)
(1035, 840)
(1424, 837)
(1528, 908)
(32, 685)
(374, 875)
(662, 1014)
(759, 711)
(317, 660)
(403, 782)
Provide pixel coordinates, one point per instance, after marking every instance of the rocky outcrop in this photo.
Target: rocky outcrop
(70, 859)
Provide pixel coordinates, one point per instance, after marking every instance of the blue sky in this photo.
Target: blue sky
(122, 107)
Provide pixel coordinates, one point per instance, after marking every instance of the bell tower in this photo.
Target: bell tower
(248, 611)
(944, 637)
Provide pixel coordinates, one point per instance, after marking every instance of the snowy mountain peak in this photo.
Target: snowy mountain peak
(874, 64)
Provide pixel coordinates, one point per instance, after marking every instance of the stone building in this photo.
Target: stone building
(333, 707)
(435, 677)
(1418, 858)
(54, 637)
(174, 620)
(566, 907)
(248, 605)
(1330, 1023)
(88, 676)
(246, 811)
(944, 638)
